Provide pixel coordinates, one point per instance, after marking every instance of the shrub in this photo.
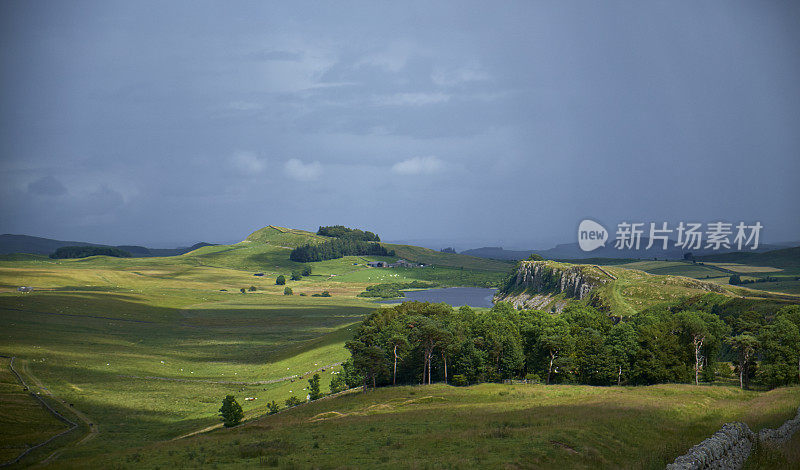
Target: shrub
(323, 294)
(287, 291)
(296, 276)
(533, 378)
(337, 383)
(735, 280)
(293, 401)
(459, 380)
(253, 288)
(243, 290)
(306, 271)
(273, 407)
(313, 387)
(280, 280)
(231, 412)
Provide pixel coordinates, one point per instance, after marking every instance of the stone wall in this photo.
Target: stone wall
(729, 447)
(782, 434)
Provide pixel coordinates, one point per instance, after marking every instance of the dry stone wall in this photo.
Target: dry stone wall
(729, 447)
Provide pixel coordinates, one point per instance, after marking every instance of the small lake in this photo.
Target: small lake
(455, 296)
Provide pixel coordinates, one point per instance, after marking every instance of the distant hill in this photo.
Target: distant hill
(35, 245)
(572, 251)
(283, 237)
(496, 252)
(45, 246)
(783, 258)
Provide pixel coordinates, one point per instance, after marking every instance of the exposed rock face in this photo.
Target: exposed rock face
(535, 283)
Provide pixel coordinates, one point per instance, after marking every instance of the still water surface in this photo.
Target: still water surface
(455, 296)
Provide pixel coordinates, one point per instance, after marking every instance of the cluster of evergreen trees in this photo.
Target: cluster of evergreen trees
(421, 342)
(338, 248)
(340, 231)
(86, 251)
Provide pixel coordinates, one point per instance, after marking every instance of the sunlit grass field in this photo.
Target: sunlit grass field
(482, 426)
(785, 282)
(109, 353)
(23, 421)
(148, 347)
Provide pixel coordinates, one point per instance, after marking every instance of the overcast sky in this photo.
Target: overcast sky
(479, 123)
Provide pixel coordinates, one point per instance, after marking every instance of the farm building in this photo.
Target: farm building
(25, 289)
(378, 264)
(401, 263)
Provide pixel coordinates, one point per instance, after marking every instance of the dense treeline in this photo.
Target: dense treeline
(340, 231)
(338, 248)
(421, 342)
(85, 251)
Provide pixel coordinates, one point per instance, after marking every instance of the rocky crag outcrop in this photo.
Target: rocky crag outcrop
(538, 284)
(730, 447)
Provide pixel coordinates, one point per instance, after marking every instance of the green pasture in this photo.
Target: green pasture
(676, 268)
(142, 365)
(148, 347)
(24, 422)
(482, 426)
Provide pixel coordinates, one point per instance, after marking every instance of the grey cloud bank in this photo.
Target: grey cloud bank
(145, 122)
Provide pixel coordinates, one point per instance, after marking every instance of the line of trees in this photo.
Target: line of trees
(338, 248)
(340, 231)
(422, 342)
(394, 290)
(86, 251)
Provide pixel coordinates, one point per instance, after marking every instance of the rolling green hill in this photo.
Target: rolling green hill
(453, 260)
(785, 258)
(482, 426)
(619, 290)
(285, 237)
(147, 348)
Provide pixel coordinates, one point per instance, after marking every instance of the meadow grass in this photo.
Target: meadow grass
(784, 285)
(675, 268)
(142, 364)
(487, 426)
(743, 268)
(148, 347)
(24, 422)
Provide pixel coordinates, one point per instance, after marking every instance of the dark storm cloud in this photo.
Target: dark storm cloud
(47, 186)
(181, 122)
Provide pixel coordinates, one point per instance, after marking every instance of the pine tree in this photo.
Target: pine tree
(231, 412)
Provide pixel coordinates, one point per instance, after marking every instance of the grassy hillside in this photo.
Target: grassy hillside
(437, 258)
(785, 258)
(34, 245)
(619, 290)
(483, 426)
(676, 268)
(777, 267)
(287, 237)
(148, 347)
(23, 422)
(150, 366)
